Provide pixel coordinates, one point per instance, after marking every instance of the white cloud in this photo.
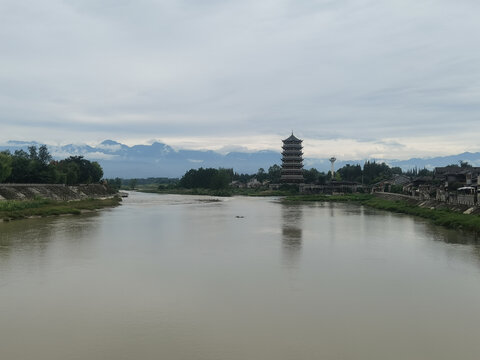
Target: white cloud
(94, 155)
(109, 147)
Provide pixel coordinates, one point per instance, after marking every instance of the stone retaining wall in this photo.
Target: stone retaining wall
(53, 191)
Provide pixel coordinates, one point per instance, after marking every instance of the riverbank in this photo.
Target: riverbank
(438, 213)
(58, 192)
(21, 209)
(220, 192)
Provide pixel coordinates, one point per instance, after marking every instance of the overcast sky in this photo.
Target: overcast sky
(355, 79)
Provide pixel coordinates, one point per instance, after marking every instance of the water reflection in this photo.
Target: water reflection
(292, 222)
(450, 236)
(26, 236)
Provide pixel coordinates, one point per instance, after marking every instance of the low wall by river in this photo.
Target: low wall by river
(53, 191)
(464, 204)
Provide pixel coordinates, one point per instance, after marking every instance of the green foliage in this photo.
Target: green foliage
(206, 178)
(132, 183)
(13, 209)
(244, 178)
(261, 175)
(374, 172)
(396, 170)
(44, 156)
(221, 179)
(465, 164)
(114, 184)
(415, 172)
(37, 167)
(77, 170)
(311, 176)
(5, 165)
(351, 173)
(274, 174)
(32, 167)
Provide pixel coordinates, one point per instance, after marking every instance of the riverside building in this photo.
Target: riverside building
(292, 161)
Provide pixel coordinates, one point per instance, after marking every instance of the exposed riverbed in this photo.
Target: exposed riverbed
(185, 277)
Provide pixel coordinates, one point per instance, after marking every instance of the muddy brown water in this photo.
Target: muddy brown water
(182, 277)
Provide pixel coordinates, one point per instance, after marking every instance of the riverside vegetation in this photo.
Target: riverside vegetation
(217, 182)
(20, 209)
(443, 217)
(38, 167)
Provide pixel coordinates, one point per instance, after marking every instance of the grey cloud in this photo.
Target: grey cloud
(363, 70)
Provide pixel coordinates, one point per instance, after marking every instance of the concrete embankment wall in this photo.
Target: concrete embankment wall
(53, 191)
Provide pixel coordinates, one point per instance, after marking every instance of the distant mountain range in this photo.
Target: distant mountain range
(161, 160)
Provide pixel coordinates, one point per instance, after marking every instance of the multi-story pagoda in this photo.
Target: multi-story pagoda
(292, 167)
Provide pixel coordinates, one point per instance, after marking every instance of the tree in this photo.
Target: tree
(206, 178)
(397, 170)
(44, 156)
(261, 175)
(274, 173)
(465, 164)
(425, 172)
(96, 171)
(32, 151)
(221, 179)
(374, 172)
(311, 176)
(5, 165)
(37, 166)
(350, 173)
(77, 170)
(71, 173)
(20, 167)
(132, 183)
(114, 184)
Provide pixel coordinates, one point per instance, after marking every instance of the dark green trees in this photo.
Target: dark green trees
(207, 178)
(77, 170)
(32, 167)
(37, 167)
(351, 173)
(5, 166)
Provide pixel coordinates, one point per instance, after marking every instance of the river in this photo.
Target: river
(182, 277)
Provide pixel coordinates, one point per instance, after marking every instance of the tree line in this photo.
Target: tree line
(371, 173)
(36, 166)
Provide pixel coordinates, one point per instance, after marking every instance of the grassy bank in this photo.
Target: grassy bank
(221, 192)
(361, 198)
(14, 209)
(443, 217)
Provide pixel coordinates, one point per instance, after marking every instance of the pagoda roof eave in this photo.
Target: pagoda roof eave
(292, 138)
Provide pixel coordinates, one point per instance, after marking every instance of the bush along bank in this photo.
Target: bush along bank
(15, 209)
(443, 217)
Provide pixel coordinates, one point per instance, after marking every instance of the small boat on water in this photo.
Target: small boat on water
(123, 194)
